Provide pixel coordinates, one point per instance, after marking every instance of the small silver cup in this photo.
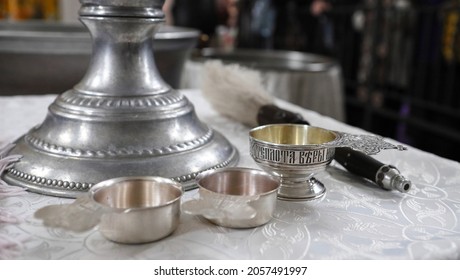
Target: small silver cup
(138, 209)
(294, 153)
(235, 197)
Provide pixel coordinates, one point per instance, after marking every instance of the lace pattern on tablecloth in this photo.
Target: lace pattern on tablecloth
(9, 247)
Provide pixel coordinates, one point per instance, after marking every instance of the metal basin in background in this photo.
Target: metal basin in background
(44, 57)
(310, 80)
(279, 60)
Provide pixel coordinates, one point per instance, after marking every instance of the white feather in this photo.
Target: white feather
(234, 91)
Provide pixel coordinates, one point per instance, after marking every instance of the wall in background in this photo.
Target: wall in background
(20, 10)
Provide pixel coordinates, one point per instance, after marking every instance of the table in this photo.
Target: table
(355, 220)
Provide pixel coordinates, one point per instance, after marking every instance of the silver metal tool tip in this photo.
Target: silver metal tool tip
(401, 184)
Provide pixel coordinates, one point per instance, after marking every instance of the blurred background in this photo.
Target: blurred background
(398, 59)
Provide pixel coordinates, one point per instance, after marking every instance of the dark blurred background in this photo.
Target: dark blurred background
(399, 59)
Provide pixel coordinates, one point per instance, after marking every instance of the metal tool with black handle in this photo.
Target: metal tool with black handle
(385, 176)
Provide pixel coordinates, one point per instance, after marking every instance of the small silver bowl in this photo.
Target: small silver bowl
(235, 197)
(137, 209)
(294, 153)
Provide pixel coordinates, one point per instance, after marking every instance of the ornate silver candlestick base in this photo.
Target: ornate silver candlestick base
(122, 119)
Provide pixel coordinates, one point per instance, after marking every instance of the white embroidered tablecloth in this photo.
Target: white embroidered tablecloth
(355, 220)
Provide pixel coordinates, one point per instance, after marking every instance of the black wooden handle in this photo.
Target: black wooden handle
(358, 163)
(271, 114)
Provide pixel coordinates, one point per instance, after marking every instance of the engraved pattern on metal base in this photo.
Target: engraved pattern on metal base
(83, 186)
(98, 102)
(51, 148)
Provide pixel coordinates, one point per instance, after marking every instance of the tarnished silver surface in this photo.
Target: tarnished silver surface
(122, 119)
(294, 153)
(235, 197)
